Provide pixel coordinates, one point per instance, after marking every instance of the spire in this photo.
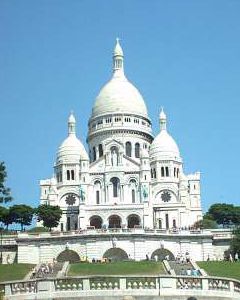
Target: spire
(163, 120)
(71, 124)
(118, 59)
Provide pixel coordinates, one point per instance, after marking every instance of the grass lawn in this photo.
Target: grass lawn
(117, 268)
(14, 271)
(221, 268)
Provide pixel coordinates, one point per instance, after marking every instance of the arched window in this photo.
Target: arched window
(162, 171)
(167, 171)
(97, 188)
(174, 223)
(137, 150)
(151, 173)
(154, 173)
(94, 154)
(72, 174)
(167, 221)
(160, 223)
(68, 175)
(177, 172)
(174, 172)
(115, 182)
(97, 197)
(100, 150)
(128, 149)
(133, 196)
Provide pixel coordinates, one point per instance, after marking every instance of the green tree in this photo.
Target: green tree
(21, 214)
(235, 243)
(206, 223)
(49, 215)
(5, 193)
(5, 216)
(3, 212)
(224, 213)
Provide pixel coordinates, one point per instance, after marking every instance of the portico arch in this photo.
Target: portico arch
(68, 255)
(96, 221)
(114, 221)
(162, 253)
(116, 254)
(133, 220)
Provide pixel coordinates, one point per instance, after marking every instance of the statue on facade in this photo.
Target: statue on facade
(114, 158)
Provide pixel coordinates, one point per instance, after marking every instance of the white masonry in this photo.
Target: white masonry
(128, 178)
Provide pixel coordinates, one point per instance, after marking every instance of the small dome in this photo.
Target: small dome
(164, 145)
(71, 150)
(119, 96)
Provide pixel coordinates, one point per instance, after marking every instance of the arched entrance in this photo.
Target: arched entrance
(116, 254)
(133, 220)
(96, 221)
(114, 221)
(161, 254)
(68, 255)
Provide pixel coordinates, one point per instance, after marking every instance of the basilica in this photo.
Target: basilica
(128, 178)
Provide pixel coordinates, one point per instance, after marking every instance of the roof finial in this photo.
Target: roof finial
(118, 59)
(163, 120)
(71, 124)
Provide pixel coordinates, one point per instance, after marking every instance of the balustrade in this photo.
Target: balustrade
(141, 283)
(24, 287)
(218, 284)
(105, 283)
(151, 284)
(68, 284)
(189, 283)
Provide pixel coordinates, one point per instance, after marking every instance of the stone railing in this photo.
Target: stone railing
(119, 286)
(115, 231)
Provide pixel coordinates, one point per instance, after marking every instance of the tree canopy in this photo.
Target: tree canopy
(49, 215)
(5, 192)
(21, 214)
(206, 223)
(225, 214)
(235, 243)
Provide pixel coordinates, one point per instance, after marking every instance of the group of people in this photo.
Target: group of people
(182, 259)
(227, 257)
(190, 272)
(43, 270)
(94, 260)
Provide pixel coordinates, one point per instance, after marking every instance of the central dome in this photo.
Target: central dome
(119, 95)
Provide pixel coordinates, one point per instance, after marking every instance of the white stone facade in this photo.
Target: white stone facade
(128, 178)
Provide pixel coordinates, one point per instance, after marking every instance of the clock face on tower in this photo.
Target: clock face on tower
(165, 196)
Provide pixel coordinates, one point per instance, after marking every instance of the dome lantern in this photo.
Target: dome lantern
(118, 69)
(163, 120)
(71, 124)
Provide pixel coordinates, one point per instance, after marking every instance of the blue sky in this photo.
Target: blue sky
(183, 55)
